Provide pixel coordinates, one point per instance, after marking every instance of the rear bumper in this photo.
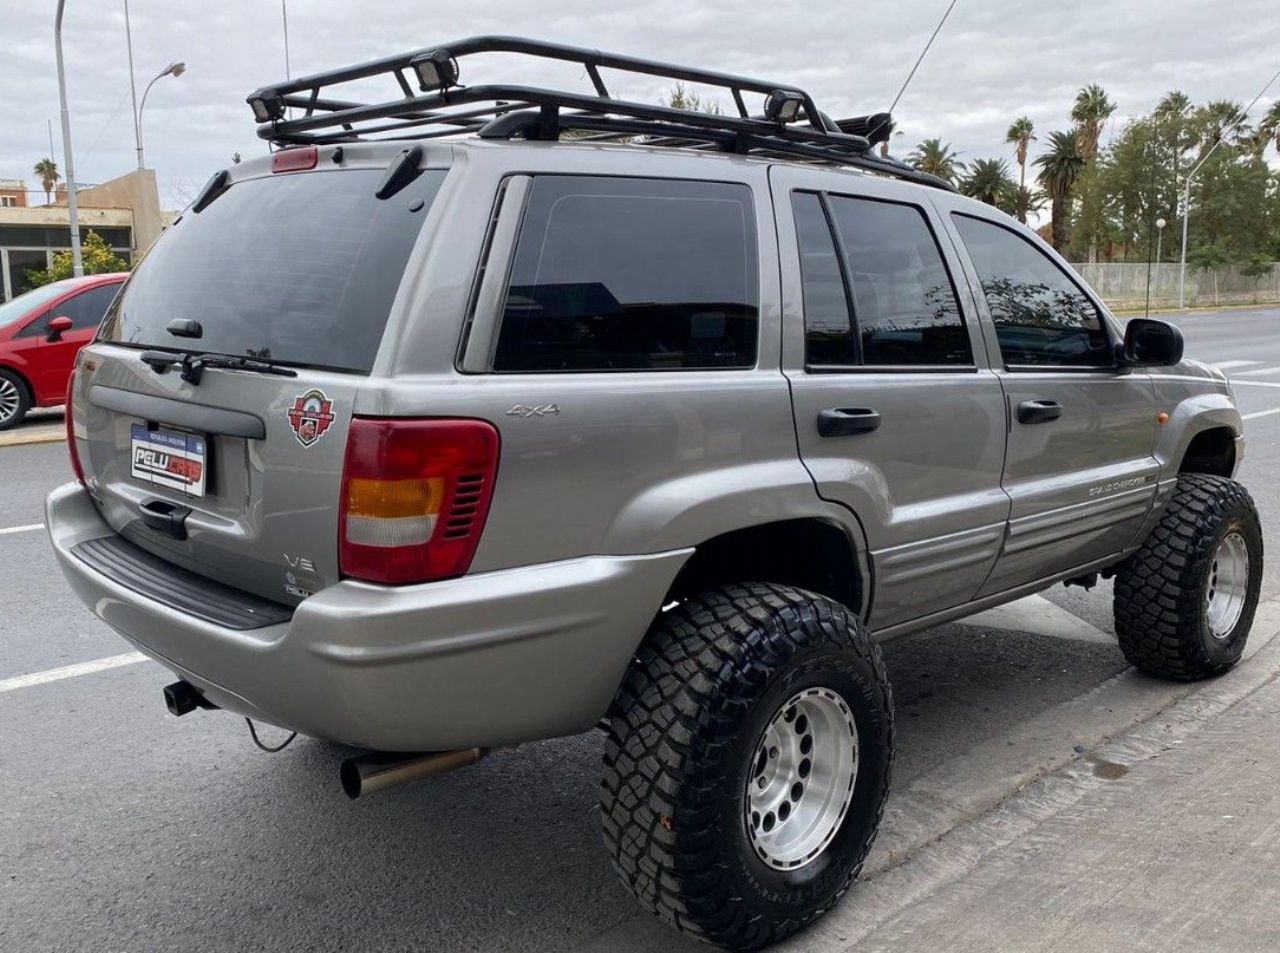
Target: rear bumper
(488, 659)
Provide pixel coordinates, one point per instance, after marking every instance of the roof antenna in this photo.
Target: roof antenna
(919, 60)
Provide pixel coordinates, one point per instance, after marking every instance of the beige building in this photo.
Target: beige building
(125, 212)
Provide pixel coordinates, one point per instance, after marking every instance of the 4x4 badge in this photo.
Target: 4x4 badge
(310, 416)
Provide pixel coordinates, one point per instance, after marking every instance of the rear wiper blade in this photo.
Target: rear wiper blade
(193, 364)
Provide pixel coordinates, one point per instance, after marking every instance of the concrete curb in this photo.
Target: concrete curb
(961, 793)
(882, 896)
(52, 434)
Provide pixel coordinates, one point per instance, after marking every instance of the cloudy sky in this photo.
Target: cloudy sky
(995, 60)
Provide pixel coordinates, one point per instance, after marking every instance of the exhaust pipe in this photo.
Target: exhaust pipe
(182, 698)
(369, 773)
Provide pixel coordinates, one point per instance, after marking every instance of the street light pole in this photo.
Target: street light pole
(1186, 193)
(77, 265)
(176, 69)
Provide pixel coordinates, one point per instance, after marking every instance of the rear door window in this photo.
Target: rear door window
(300, 269)
(904, 304)
(632, 274)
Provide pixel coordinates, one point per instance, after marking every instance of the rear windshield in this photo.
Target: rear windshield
(299, 268)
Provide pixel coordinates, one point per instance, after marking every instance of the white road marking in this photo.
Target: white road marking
(70, 671)
(1226, 365)
(1261, 370)
(1038, 616)
(21, 529)
(1260, 413)
(1237, 382)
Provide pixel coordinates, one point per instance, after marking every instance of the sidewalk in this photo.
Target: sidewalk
(1179, 852)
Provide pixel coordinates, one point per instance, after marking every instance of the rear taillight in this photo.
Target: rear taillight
(415, 494)
(71, 430)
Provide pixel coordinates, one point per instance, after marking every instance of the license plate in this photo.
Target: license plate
(166, 458)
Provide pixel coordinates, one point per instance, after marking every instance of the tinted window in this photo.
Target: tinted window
(619, 274)
(86, 310)
(903, 300)
(1041, 315)
(298, 268)
(828, 332)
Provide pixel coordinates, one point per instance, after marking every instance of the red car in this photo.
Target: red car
(40, 333)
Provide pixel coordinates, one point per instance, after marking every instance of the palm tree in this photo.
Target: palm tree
(1021, 134)
(1091, 111)
(1060, 167)
(1175, 103)
(937, 158)
(1269, 128)
(47, 169)
(988, 180)
(1221, 118)
(1022, 201)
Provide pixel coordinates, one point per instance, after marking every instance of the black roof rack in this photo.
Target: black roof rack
(791, 125)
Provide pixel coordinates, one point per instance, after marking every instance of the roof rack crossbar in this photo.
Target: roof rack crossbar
(461, 95)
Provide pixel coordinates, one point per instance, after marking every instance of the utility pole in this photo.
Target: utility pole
(77, 265)
(133, 89)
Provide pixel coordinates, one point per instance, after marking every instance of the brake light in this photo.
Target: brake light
(415, 494)
(68, 417)
(295, 160)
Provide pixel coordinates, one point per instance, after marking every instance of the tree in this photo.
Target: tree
(95, 254)
(1021, 134)
(988, 180)
(1269, 128)
(1021, 201)
(682, 97)
(1060, 168)
(47, 169)
(937, 158)
(1210, 257)
(1090, 113)
(1221, 119)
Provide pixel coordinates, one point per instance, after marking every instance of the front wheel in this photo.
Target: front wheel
(747, 762)
(14, 400)
(1184, 602)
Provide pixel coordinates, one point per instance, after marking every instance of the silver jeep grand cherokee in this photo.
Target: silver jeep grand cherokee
(494, 413)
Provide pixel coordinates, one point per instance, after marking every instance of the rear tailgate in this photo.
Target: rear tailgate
(237, 475)
(263, 510)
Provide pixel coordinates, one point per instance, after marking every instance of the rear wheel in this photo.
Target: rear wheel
(747, 762)
(15, 401)
(1184, 602)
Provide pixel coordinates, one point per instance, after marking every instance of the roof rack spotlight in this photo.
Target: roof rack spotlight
(436, 70)
(267, 105)
(783, 105)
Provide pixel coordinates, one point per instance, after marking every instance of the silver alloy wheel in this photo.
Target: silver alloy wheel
(9, 399)
(801, 779)
(1228, 585)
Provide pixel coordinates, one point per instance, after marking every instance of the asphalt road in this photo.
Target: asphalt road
(122, 828)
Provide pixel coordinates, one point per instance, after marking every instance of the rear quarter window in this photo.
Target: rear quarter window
(632, 274)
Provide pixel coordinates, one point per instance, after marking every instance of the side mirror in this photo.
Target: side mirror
(1151, 343)
(57, 326)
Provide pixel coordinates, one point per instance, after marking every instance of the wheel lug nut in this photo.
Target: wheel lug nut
(773, 752)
